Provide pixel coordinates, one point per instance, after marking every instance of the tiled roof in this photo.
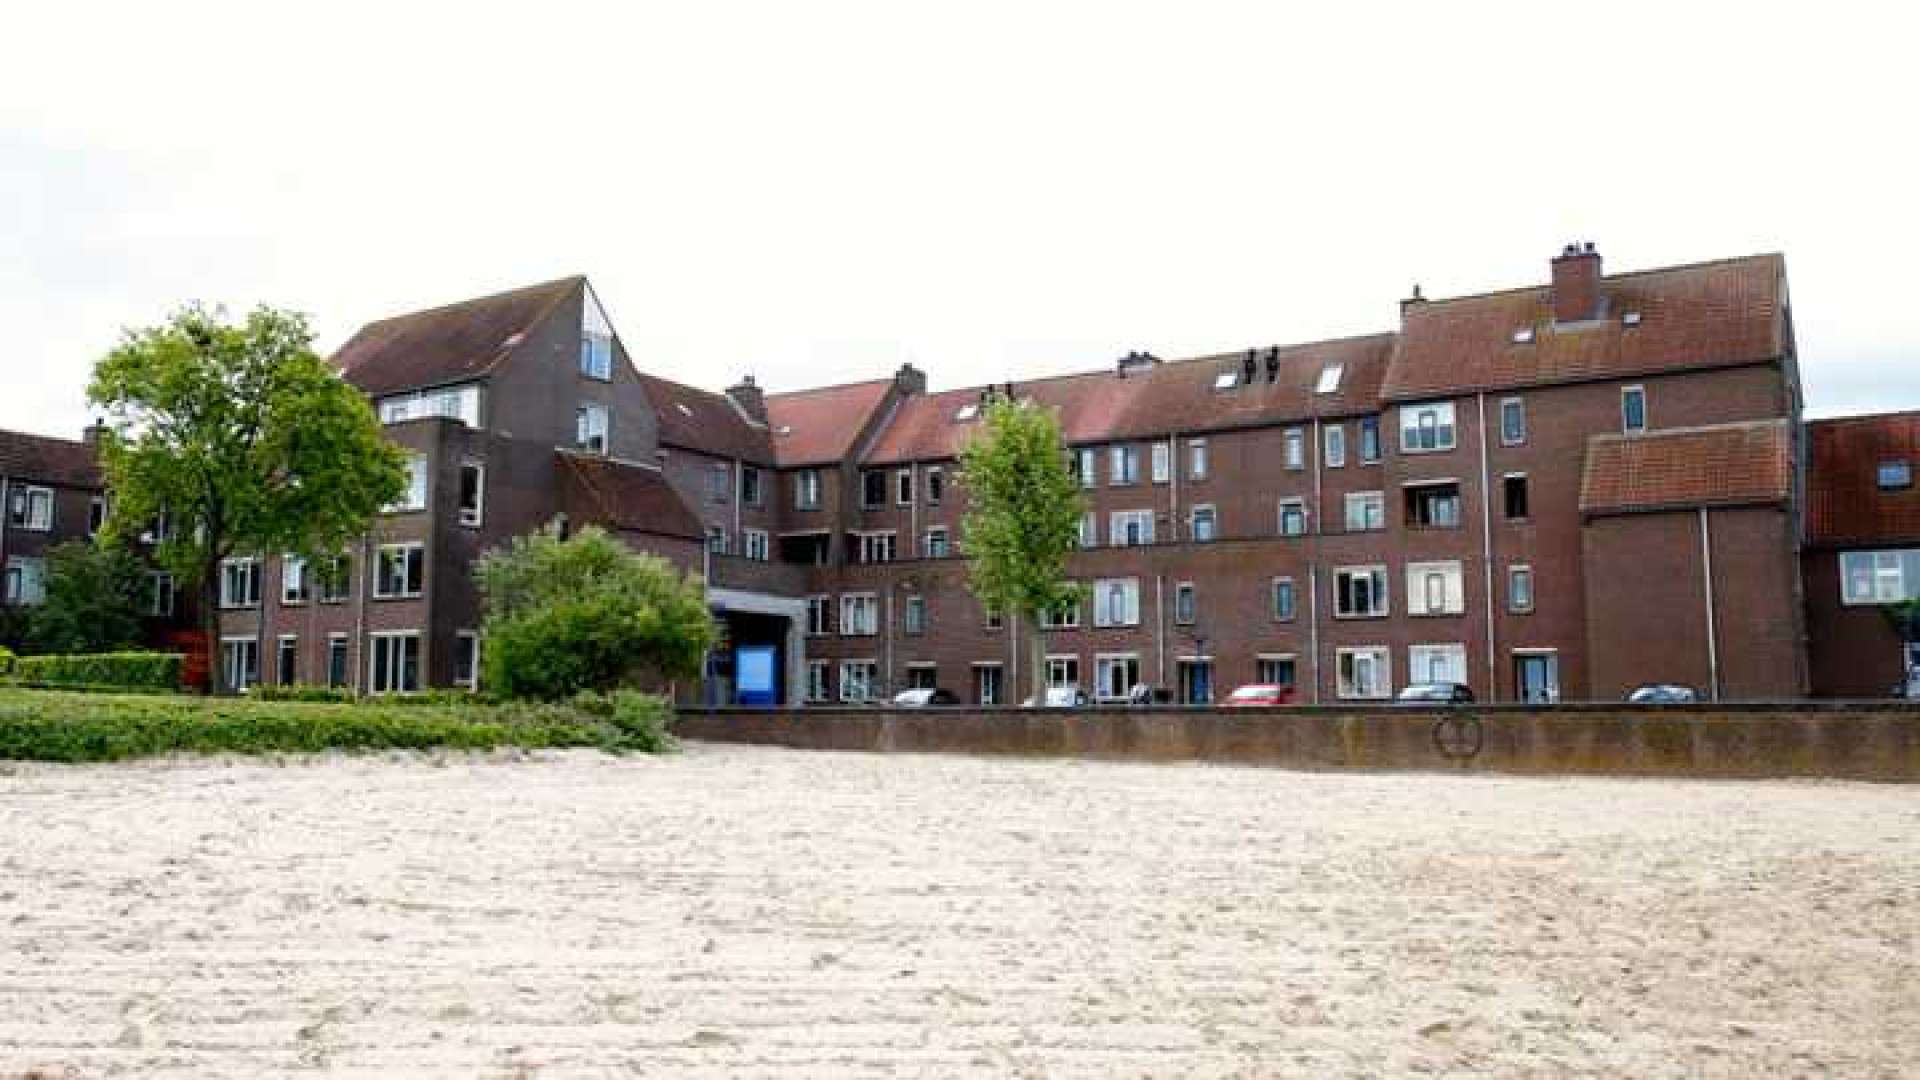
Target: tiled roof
(49, 461)
(1721, 465)
(634, 498)
(701, 420)
(1174, 397)
(1706, 315)
(817, 427)
(446, 344)
(1845, 505)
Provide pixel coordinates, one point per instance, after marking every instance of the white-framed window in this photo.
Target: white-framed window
(1633, 408)
(239, 663)
(1360, 592)
(473, 492)
(26, 580)
(96, 515)
(992, 620)
(240, 582)
(1519, 588)
(460, 403)
(750, 485)
(294, 584)
(859, 680)
(393, 662)
(1364, 673)
(596, 340)
(1123, 464)
(1335, 438)
(1063, 670)
(1366, 511)
(400, 570)
(719, 481)
(1196, 459)
(1116, 602)
(873, 489)
(1276, 669)
(1369, 440)
(936, 485)
(1426, 428)
(903, 487)
(806, 489)
(1204, 523)
(819, 615)
(1064, 617)
(590, 428)
(159, 530)
(415, 497)
(1285, 600)
(1085, 466)
(1433, 505)
(161, 594)
(1130, 528)
(935, 542)
(1293, 517)
(466, 659)
(1513, 421)
(1437, 663)
(987, 682)
(286, 660)
(817, 688)
(913, 614)
(754, 544)
(1089, 530)
(1186, 603)
(1513, 491)
(878, 547)
(859, 615)
(717, 539)
(1162, 462)
(922, 675)
(1879, 577)
(337, 661)
(1115, 675)
(1294, 456)
(336, 585)
(1329, 380)
(1434, 588)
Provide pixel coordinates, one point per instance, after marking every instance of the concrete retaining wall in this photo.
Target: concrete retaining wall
(1841, 740)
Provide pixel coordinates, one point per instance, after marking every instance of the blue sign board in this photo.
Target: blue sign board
(753, 675)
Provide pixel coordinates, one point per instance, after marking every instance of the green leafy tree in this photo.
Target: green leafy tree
(243, 440)
(587, 614)
(95, 600)
(1024, 520)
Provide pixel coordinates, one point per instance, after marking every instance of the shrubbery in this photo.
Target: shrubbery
(118, 670)
(340, 696)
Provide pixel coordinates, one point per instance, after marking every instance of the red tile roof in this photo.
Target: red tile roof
(1174, 397)
(1721, 465)
(817, 427)
(40, 459)
(1715, 314)
(446, 344)
(1845, 505)
(613, 494)
(710, 423)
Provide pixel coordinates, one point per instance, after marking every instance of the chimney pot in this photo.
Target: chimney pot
(1576, 284)
(748, 395)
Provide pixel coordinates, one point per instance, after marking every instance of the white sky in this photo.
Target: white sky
(815, 192)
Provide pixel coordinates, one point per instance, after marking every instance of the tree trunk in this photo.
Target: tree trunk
(210, 623)
(1036, 658)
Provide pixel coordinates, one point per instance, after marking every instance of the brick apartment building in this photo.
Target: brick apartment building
(1553, 492)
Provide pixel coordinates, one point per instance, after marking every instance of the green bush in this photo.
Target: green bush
(328, 694)
(6, 660)
(123, 670)
(641, 718)
(46, 725)
(340, 695)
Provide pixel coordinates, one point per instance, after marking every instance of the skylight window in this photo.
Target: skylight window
(682, 406)
(1523, 336)
(1329, 379)
(1631, 318)
(1226, 380)
(967, 412)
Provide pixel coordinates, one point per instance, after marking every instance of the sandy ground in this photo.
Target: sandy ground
(749, 912)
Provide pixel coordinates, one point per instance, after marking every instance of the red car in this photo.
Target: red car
(1260, 694)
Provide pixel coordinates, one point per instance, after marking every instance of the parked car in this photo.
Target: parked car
(1061, 697)
(1259, 694)
(922, 697)
(1435, 693)
(1662, 694)
(1142, 694)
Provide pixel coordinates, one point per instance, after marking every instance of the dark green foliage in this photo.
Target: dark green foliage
(339, 695)
(96, 600)
(6, 660)
(114, 670)
(588, 614)
(641, 718)
(39, 725)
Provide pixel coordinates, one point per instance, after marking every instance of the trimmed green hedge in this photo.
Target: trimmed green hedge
(127, 670)
(340, 696)
(53, 725)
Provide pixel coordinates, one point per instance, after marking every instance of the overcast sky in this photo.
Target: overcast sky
(816, 192)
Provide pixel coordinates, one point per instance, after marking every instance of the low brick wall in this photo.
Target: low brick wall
(1841, 740)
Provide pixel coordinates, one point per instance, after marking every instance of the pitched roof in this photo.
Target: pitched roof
(701, 420)
(1844, 502)
(1172, 397)
(634, 498)
(1720, 465)
(48, 460)
(1715, 314)
(446, 344)
(818, 426)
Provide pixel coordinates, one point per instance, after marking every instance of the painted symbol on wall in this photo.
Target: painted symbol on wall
(1458, 737)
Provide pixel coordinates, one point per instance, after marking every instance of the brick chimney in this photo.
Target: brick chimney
(1576, 284)
(92, 432)
(910, 379)
(751, 399)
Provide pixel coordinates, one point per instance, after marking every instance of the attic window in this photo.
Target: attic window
(682, 406)
(967, 412)
(1226, 380)
(1894, 475)
(783, 429)
(1631, 318)
(1329, 379)
(1523, 336)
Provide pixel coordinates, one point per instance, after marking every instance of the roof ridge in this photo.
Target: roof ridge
(1863, 417)
(476, 300)
(1094, 373)
(770, 395)
(77, 444)
(1604, 278)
